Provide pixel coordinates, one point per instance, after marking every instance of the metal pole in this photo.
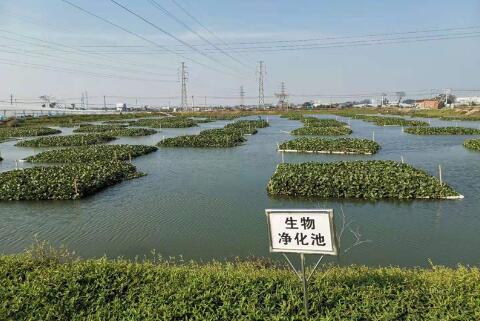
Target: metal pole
(304, 281)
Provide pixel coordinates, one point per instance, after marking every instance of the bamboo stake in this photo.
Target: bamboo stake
(440, 174)
(401, 157)
(373, 136)
(283, 157)
(75, 187)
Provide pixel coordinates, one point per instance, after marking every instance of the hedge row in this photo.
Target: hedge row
(85, 154)
(442, 131)
(341, 145)
(42, 287)
(69, 140)
(64, 182)
(166, 122)
(391, 121)
(6, 132)
(229, 136)
(321, 131)
(472, 144)
(356, 179)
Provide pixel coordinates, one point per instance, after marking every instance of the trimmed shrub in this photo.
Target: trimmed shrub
(63, 182)
(357, 179)
(322, 131)
(69, 140)
(472, 144)
(442, 131)
(6, 132)
(92, 153)
(49, 286)
(341, 145)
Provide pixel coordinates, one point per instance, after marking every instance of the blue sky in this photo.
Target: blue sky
(411, 67)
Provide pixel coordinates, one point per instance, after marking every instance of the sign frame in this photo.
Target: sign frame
(334, 239)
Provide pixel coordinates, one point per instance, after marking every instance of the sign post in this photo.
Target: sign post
(309, 231)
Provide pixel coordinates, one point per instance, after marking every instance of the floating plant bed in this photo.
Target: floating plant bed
(473, 144)
(116, 130)
(88, 128)
(167, 122)
(204, 141)
(442, 131)
(6, 132)
(322, 131)
(230, 130)
(65, 182)
(322, 122)
(248, 124)
(85, 154)
(329, 146)
(65, 141)
(357, 179)
(392, 121)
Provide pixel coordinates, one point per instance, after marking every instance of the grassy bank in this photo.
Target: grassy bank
(39, 287)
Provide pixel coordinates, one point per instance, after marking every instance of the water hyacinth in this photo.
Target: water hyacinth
(89, 128)
(92, 153)
(442, 131)
(322, 122)
(69, 140)
(321, 131)
(473, 144)
(64, 182)
(229, 136)
(6, 132)
(115, 130)
(357, 179)
(340, 145)
(391, 121)
(166, 122)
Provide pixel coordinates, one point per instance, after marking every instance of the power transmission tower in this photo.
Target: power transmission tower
(261, 79)
(242, 97)
(282, 97)
(184, 86)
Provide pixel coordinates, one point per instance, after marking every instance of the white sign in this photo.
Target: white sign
(302, 231)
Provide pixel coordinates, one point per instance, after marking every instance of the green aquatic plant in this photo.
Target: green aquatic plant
(340, 145)
(68, 140)
(391, 121)
(6, 132)
(321, 131)
(166, 122)
(357, 179)
(442, 131)
(85, 154)
(473, 144)
(64, 182)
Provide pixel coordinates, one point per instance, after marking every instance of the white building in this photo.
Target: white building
(475, 100)
(121, 107)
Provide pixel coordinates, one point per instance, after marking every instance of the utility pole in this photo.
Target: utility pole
(261, 89)
(447, 92)
(383, 99)
(105, 102)
(242, 97)
(184, 86)
(86, 98)
(193, 102)
(11, 99)
(282, 97)
(205, 102)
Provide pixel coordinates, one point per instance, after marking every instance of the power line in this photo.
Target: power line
(168, 13)
(139, 36)
(166, 32)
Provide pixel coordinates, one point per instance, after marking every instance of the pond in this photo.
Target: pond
(208, 204)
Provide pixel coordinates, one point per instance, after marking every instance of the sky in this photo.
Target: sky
(51, 48)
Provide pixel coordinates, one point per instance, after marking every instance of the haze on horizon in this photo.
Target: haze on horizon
(361, 47)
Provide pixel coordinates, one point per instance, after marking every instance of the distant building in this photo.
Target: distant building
(428, 104)
(121, 107)
(467, 100)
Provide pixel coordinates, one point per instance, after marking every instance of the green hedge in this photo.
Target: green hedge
(62, 182)
(322, 131)
(69, 140)
(472, 144)
(42, 287)
(341, 145)
(167, 122)
(442, 131)
(6, 132)
(93, 153)
(356, 179)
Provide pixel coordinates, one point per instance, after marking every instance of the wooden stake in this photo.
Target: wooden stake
(440, 174)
